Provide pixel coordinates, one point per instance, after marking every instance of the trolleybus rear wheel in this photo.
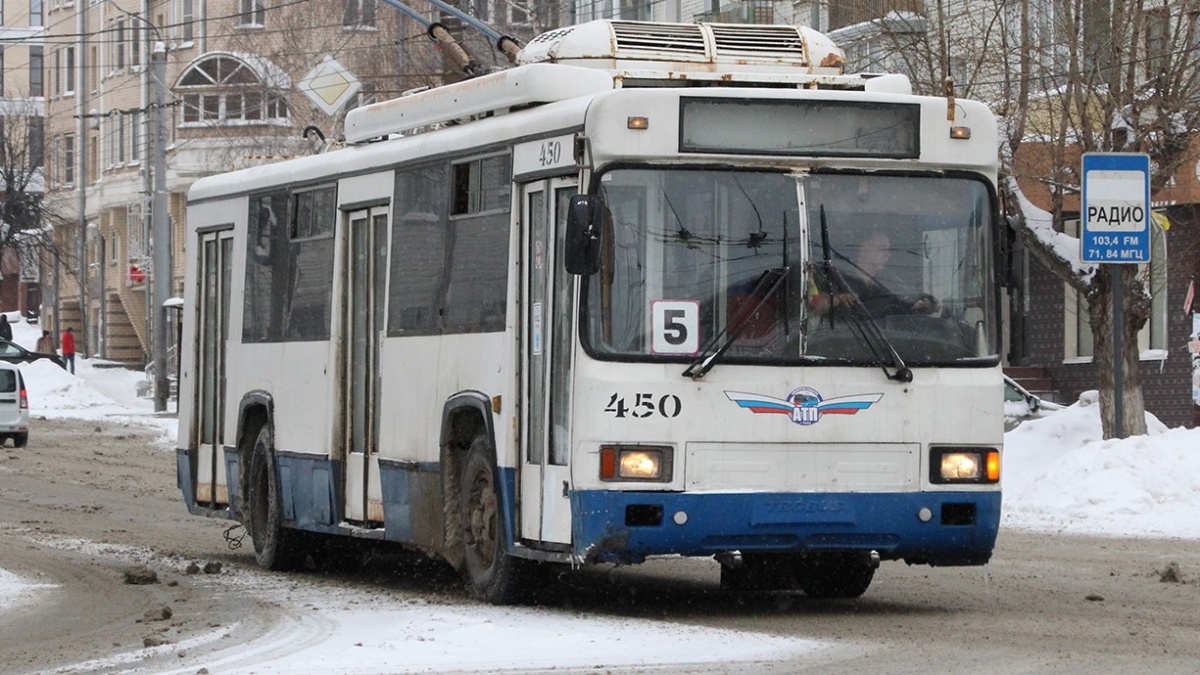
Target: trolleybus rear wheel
(836, 575)
(494, 576)
(275, 546)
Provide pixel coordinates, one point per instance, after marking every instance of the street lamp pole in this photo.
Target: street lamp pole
(161, 230)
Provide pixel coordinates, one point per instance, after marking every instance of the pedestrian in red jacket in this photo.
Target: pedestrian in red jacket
(68, 348)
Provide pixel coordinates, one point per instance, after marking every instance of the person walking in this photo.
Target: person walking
(5, 328)
(45, 344)
(68, 349)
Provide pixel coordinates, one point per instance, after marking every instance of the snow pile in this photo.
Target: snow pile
(1059, 475)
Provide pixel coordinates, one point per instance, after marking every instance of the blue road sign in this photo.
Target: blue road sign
(1115, 222)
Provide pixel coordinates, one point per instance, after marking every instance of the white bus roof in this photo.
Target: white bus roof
(599, 55)
(629, 45)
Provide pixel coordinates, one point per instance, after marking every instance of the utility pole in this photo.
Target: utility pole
(161, 230)
(81, 155)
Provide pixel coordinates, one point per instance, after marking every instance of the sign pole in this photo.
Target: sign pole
(1115, 230)
(1117, 329)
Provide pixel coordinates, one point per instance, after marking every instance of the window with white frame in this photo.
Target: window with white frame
(120, 119)
(252, 12)
(68, 159)
(1042, 25)
(632, 10)
(480, 9)
(135, 136)
(37, 71)
(109, 130)
(135, 44)
(1195, 19)
(136, 234)
(185, 19)
(1158, 40)
(366, 95)
(358, 13)
(36, 140)
(222, 89)
(36, 17)
(1154, 335)
(118, 44)
(1077, 325)
(1152, 339)
(69, 71)
(53, 170)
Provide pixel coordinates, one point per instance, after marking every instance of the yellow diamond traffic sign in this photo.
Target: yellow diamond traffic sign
(329, 85)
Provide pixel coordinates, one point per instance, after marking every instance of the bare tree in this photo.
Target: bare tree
(27, 219)
(1065, 78)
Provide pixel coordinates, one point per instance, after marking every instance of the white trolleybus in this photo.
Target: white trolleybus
(622, 300)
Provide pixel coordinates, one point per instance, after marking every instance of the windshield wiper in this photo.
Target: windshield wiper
(864, 324)
(766, 286)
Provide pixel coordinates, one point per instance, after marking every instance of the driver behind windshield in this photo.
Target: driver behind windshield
(863, 285)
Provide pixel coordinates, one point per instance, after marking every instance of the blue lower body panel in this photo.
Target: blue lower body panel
(308, 491)
(617, 526)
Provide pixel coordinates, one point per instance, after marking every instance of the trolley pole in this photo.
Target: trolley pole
(161, 231)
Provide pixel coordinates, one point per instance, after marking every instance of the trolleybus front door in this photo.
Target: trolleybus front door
(363, 289)
(548, 316)
(216, 258)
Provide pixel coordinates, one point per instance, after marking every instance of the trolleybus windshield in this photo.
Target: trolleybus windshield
(684, 251)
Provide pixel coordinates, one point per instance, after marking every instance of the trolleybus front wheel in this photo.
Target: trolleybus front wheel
(275, 546)
(836, 575)
(494, 576)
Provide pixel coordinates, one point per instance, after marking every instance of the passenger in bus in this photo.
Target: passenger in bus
(871, 257)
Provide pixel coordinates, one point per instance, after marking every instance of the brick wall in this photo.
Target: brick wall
(1166, 385)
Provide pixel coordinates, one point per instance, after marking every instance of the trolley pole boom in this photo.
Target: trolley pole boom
(506, 44)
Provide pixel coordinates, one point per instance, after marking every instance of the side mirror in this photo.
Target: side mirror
(584, 220)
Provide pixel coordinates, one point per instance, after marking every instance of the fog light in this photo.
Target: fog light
(680, 517)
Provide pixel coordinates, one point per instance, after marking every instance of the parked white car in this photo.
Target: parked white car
(14, 406)
(1021, 405)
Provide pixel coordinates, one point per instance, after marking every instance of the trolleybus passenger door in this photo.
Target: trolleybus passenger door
(216, 258)
(547, 324)
(363, 282)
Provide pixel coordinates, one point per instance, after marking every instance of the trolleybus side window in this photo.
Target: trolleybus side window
(265, 304)
(418, 250)
(311, 264)
(477, 288)
(450, 247)
(289, 266)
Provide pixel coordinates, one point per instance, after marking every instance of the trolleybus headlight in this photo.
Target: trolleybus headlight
(964, 465)
(635, 462)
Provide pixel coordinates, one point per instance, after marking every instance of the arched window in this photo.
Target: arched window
(232, 89)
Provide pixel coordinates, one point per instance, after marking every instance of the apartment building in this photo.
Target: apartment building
(22, 123)
(235, 94)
